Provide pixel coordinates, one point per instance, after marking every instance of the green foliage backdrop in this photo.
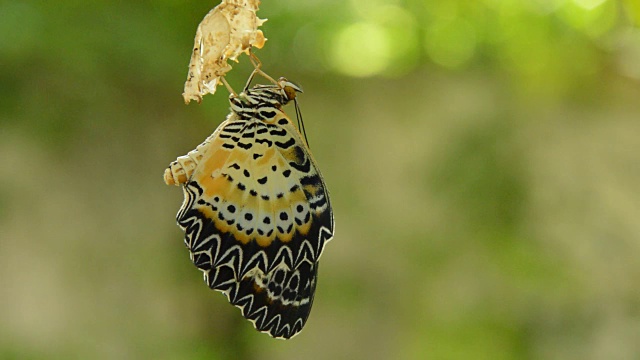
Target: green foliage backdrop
(482, 157)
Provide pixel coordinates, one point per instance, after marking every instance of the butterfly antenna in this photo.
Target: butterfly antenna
(301, 122)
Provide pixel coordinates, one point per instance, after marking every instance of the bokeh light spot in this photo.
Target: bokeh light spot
(451, 42)
(402, 30)
(361, 50)
(591, 17)
(589, 4)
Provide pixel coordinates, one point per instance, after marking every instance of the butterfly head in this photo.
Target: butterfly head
(289, 89)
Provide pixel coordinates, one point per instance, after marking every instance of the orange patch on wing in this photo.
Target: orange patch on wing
(213, 185)
(285, 238)
(241, 236)
(264, 241)
(297, 196)
(238, 156)
(304, 229)
(266, 158)
(218, 156)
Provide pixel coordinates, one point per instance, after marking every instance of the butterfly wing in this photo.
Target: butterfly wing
(257, 216)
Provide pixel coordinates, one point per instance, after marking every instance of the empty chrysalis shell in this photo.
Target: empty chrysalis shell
(228, 30)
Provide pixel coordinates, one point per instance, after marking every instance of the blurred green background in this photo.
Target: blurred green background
(482, 157)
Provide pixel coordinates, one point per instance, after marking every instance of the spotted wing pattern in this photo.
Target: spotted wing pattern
(256, 212)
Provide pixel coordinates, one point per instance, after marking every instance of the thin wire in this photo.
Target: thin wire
(301, 122)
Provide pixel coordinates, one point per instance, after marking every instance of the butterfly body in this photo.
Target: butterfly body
(256, 212)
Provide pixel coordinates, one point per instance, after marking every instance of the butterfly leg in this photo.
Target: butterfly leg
(257, 64)
(226, 84)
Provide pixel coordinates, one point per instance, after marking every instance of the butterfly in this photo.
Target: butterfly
(256, 211)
